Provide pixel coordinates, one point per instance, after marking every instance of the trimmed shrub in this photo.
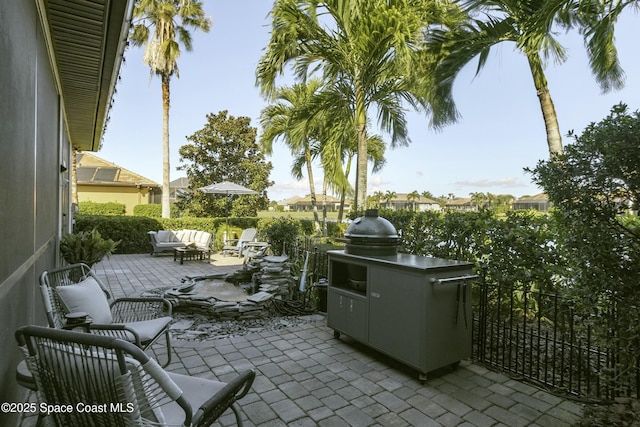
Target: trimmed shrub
(336, 229)
(279, 232)
(155, 210)
(94, 208)
(130, 230)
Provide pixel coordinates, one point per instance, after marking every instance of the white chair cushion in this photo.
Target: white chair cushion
(148, 329)
(205, 238)
(170, 244)
(86, 296)
(188, 236)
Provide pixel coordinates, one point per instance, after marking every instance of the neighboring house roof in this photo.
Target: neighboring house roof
(307, 200)
(538, 202)
(403, 197)
(182, 182)
(289, 201)
(92, 170)
(87, 41)
(460, 201)
(538, 198)
(179, 187)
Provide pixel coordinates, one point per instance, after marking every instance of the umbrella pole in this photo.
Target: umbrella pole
(227, 216)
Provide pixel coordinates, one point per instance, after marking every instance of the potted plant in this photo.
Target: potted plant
(86, 246)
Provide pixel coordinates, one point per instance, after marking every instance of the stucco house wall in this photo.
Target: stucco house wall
(129, 196)
(116, 184)
(31, 134)
(37, 128)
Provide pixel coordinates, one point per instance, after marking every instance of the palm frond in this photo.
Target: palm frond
(596, 20)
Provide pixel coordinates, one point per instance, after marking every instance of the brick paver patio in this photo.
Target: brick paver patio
(306, 377)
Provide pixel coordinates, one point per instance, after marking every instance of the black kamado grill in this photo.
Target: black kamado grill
(413, 308)
(371, 235)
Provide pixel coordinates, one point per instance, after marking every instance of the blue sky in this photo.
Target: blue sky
(501, 130)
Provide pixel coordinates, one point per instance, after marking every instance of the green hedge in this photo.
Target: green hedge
(155, 210)
(336, 229)
(94, 208)
(132, 230)
(516, 247)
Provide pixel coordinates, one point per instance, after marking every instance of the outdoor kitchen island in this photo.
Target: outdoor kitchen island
(414, 309)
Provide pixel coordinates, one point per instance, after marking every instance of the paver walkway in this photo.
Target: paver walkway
(306, 377)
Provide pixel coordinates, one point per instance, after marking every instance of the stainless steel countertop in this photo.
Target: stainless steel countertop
(417, 262)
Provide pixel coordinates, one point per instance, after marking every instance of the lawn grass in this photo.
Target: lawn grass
(332, 216)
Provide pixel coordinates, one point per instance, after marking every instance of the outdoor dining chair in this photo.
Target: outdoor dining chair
(75, 290)
(94, 380)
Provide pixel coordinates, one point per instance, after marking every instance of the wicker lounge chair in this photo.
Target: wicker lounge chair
(76, 289)
(108, 381)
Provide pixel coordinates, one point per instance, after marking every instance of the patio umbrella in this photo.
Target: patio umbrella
(228, 188)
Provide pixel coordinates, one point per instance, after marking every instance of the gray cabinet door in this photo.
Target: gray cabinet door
(336, 314)
(396, 316)
(347, 314)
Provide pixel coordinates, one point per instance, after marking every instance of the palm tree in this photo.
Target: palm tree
(374, 47)
(388, 197)
(596, 21)
(427, 194)
(289, 119)
(377, 197)
(479, 200)
(523, 22)
(530, 25)
(412, 197)
(339, 140)
(161, 25)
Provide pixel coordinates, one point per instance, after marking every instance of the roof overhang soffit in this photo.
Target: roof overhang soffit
(86, 42)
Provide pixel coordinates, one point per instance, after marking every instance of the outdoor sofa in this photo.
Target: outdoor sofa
(167, 240)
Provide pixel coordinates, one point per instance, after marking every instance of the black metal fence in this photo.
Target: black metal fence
(316, 259)
(537, 336)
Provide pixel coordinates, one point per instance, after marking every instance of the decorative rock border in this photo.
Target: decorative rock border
(269, 277)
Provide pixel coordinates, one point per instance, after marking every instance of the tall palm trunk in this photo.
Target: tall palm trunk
(166, 208)
(361, 161)
(312, 189)
(343, 193)
(325, 184)
(554, 139)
